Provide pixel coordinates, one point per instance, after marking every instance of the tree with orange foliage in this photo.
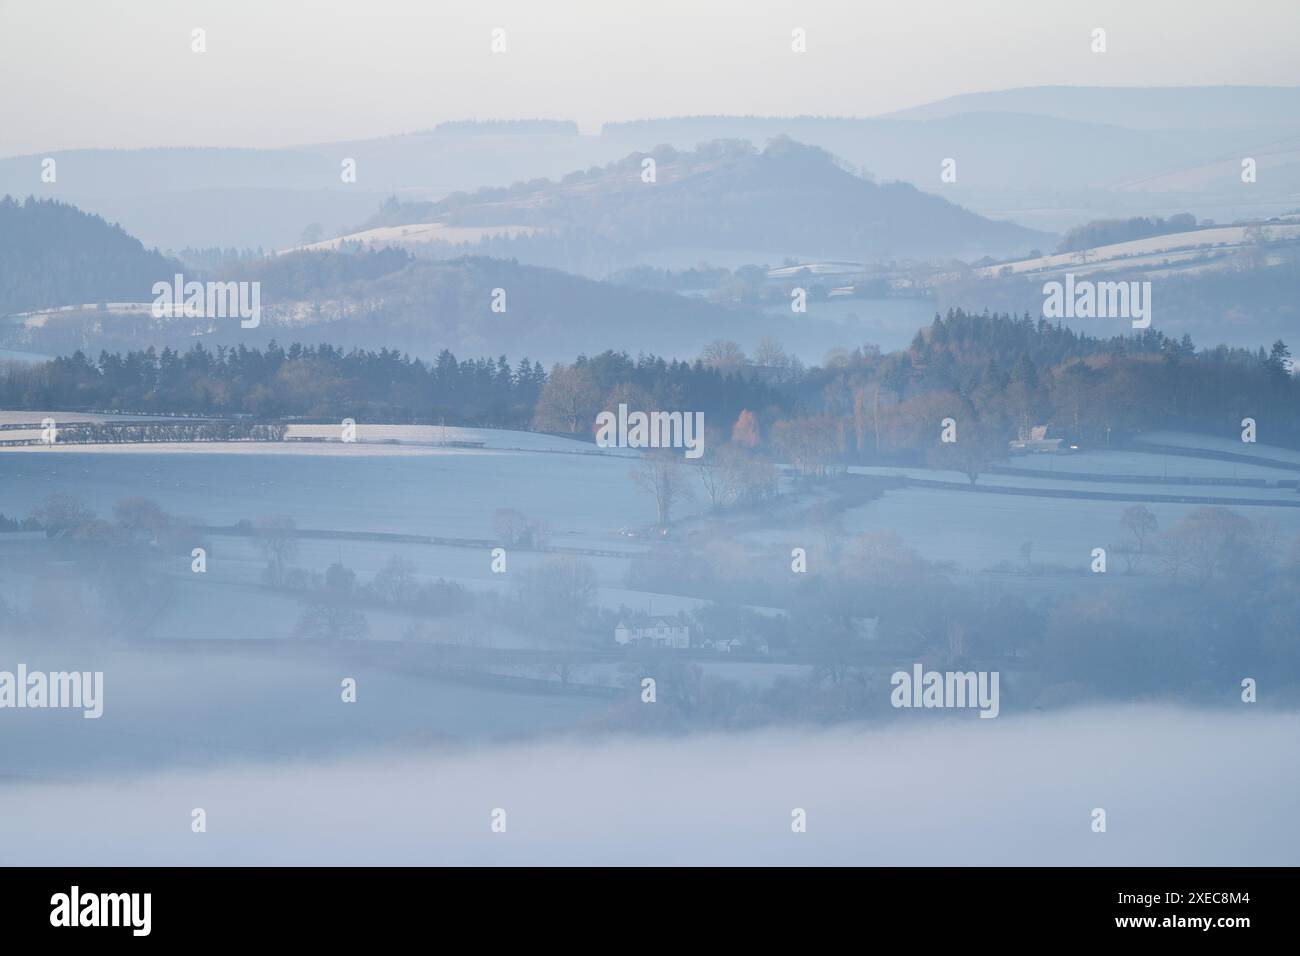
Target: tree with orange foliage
(745, 431)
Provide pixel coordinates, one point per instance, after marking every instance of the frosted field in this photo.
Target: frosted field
(1244, 495)
(1151, 464)
(584, 498)
(977, 531)
(1234, 445)
(420, 233)
(243, 449)
(1152, 245)
(371, 440)
(493, 438)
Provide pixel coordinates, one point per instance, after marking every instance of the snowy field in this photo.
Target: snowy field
(978, 531)
(324, 440)
(419, 234)
(1232, 446)
(1152, 245)
(1246, 496)
(585, 499)
(1152, 464)
(493, 438)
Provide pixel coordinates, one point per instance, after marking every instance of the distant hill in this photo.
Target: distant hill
(174, 197)
(384, 297)
(387, 298)
(788, 199)
(53, 254)
(1048, 170)
(1046, 157)
(1136, 107)
(532, 127)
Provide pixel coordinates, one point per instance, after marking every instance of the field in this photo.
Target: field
(399, 480)
(1144, 252)
(402, 480)
(978, 529)
(421, 233)
(445, 492)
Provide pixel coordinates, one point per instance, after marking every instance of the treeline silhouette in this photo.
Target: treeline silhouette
(324, 381)
(1103, 232)
(1002, 374)
(132, 433)
(1010, 374)
(300, 381)
(54, 254)
(297, 275)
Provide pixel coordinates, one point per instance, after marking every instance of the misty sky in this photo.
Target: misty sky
(80, 74)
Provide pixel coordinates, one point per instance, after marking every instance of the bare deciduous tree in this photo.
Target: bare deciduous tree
(1141, 524)
(569, 401)
(277, 539)
(660, 472)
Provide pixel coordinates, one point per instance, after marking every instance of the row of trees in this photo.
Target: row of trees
(303, 380)
(1101, 232)
(1211, 542)
(121, 433)
(575, 394)
(997, 377)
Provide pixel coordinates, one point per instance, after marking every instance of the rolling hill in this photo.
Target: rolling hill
(1047, 157)
(723, 198)
(52, 254)
(82, 284)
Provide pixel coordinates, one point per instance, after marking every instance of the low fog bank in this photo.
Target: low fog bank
(1179, 787)
(169, 707)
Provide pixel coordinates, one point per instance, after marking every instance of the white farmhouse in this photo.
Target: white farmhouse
(657, 632)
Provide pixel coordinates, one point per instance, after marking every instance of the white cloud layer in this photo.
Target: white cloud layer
(1179, 787)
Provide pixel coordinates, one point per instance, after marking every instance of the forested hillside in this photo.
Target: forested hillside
(53, 254)
(726, 194)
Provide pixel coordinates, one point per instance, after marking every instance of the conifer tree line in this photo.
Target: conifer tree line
(997, 375)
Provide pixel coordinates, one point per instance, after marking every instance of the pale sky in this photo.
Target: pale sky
(280, 72)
